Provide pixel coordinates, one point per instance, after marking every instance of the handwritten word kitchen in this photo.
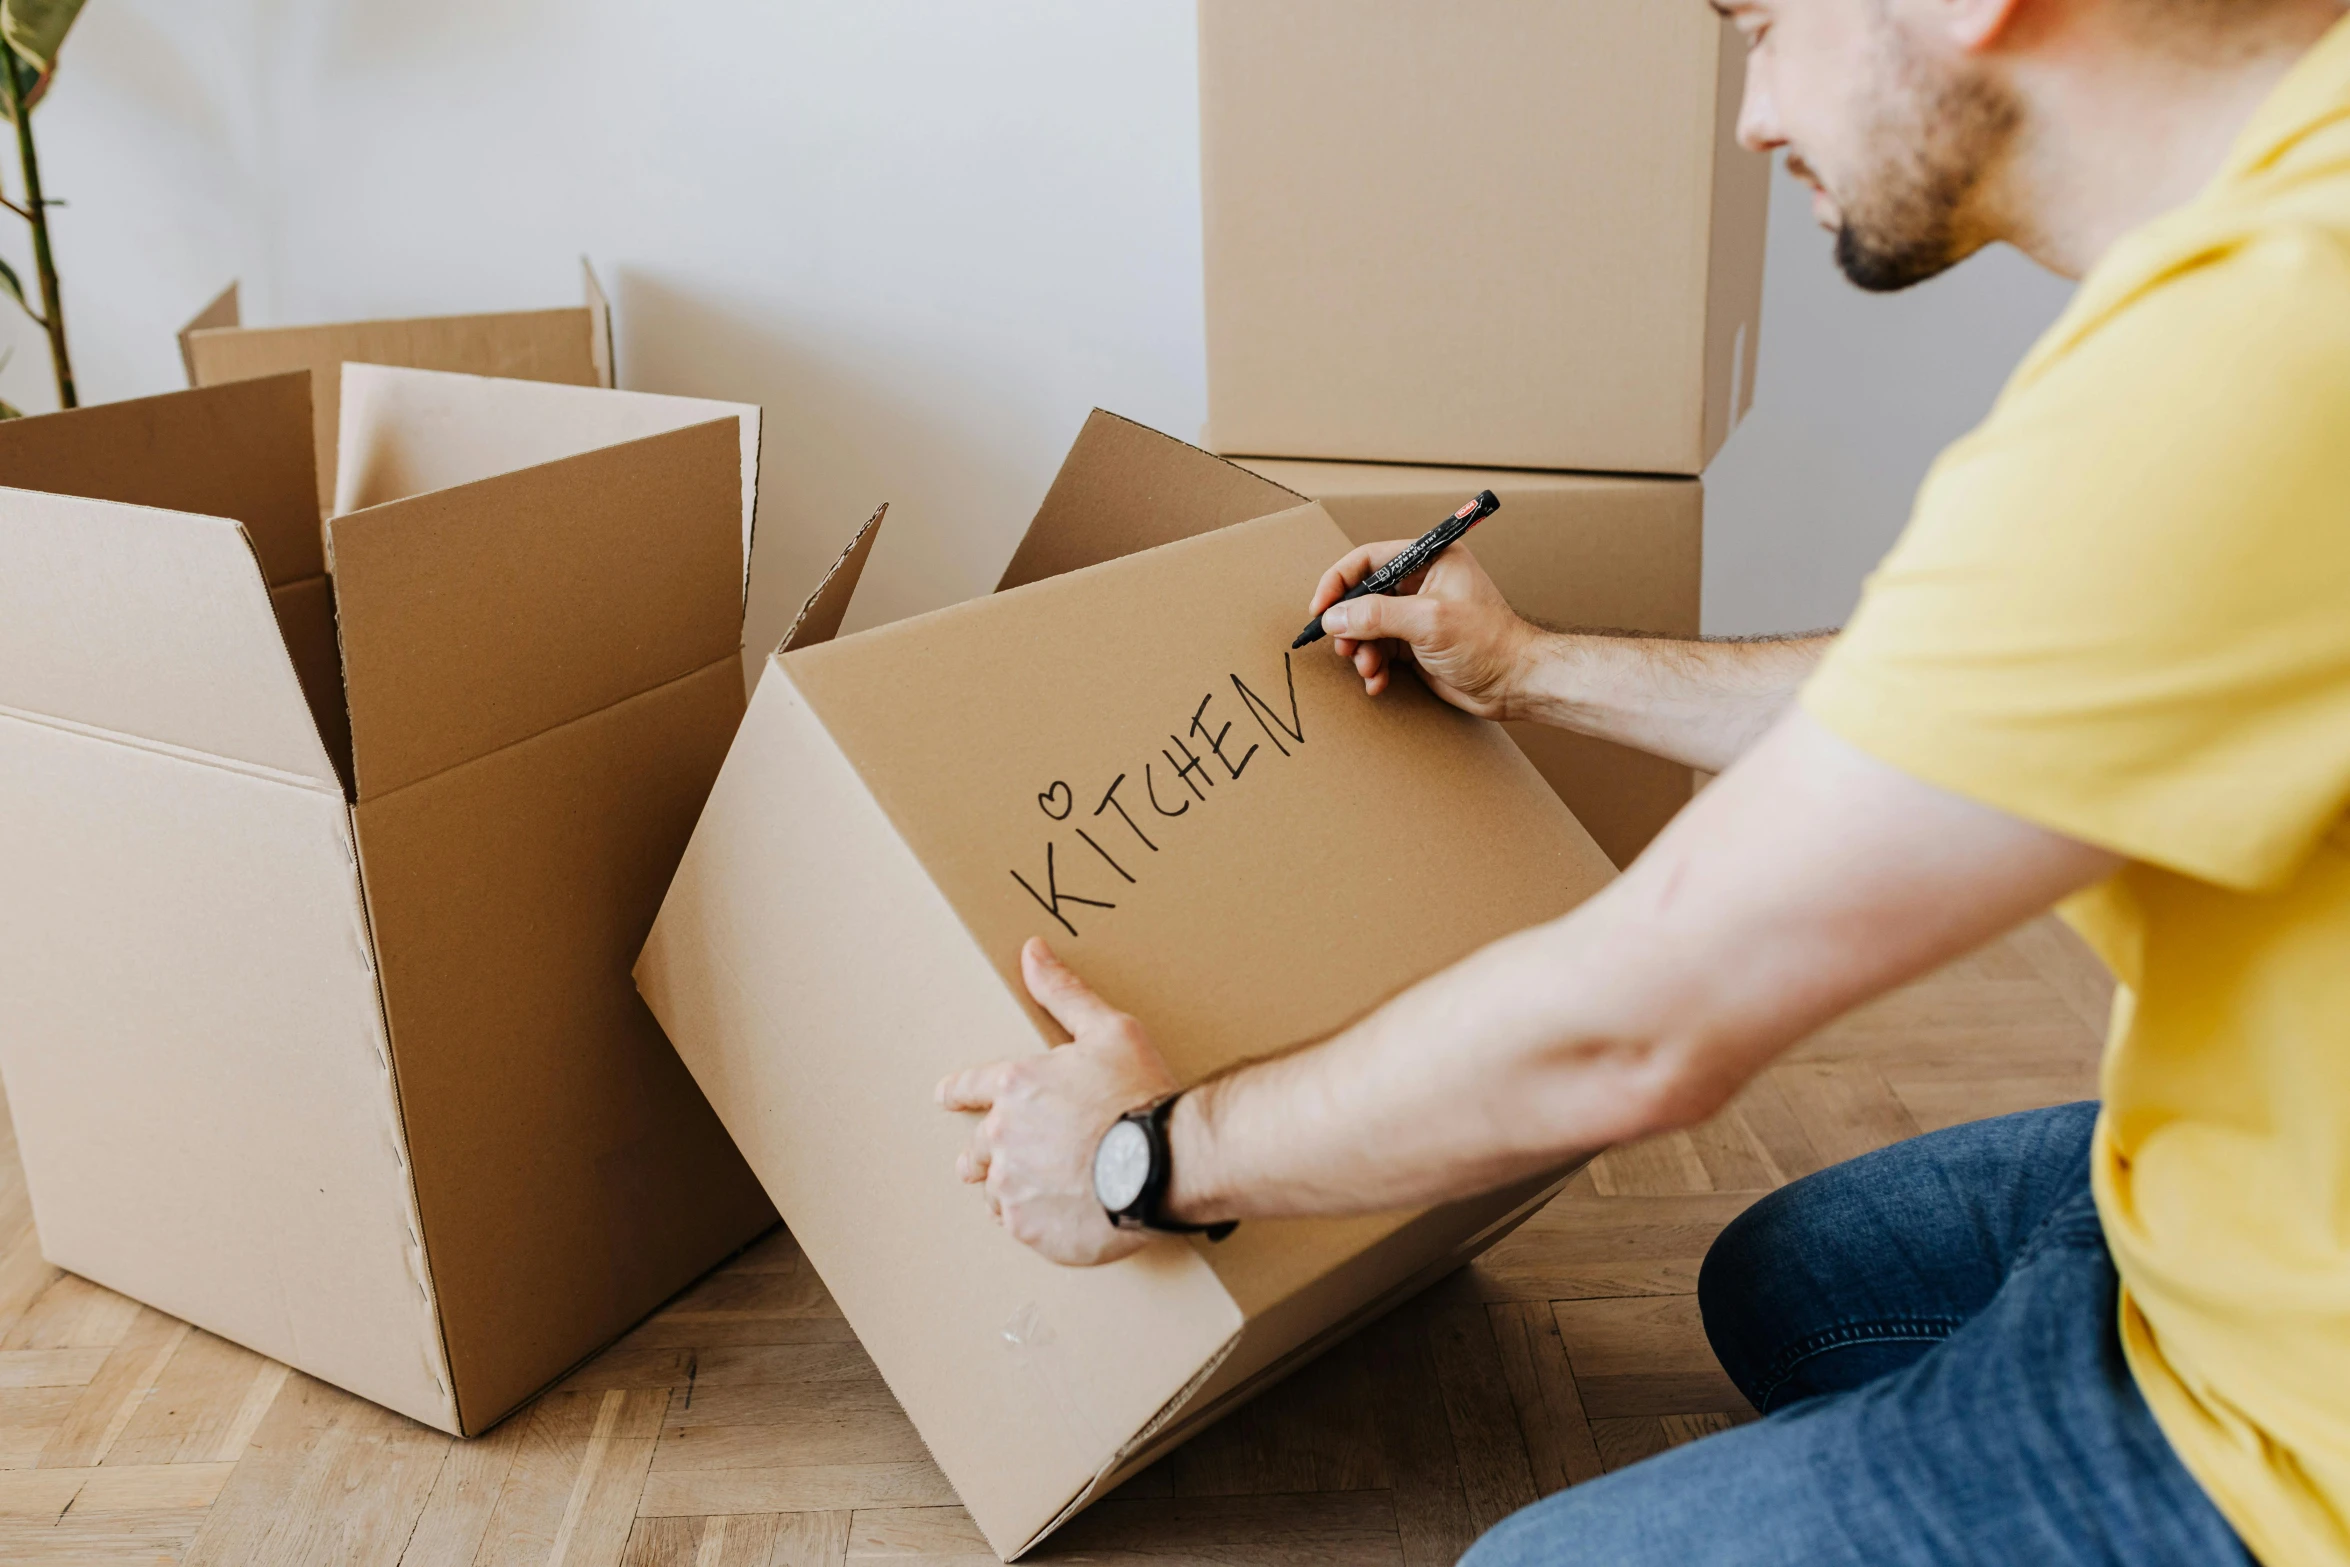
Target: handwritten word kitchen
(1129, 821)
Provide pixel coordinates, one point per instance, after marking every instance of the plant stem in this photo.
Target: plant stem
(37, 210)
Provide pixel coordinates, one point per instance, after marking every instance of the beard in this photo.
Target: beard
(1936, 139)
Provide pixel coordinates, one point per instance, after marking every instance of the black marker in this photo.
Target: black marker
(1416, 557)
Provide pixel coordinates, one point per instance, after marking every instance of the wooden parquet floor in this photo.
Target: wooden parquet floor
(743, 1427)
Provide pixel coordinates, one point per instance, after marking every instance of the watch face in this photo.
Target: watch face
(1121, 1166)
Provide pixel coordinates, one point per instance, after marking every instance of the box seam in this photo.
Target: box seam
(1167, 1412)
(1393, 1299)
(444, 1372)
(164, 748)
(655, 689)
(1242, 460)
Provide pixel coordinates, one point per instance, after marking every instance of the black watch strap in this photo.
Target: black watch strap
(1148, 1209)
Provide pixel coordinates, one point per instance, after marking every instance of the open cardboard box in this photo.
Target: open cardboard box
(322, 890)
(571, 346)
(1119, 753)
(1501, 233)
(1569, 550)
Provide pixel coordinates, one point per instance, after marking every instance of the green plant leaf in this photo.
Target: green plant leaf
(36, 29)
(15, 288)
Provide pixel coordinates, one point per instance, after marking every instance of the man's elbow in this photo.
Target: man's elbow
(1643, 1089)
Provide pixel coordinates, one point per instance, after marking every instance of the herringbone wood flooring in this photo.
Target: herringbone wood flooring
(743, 1427)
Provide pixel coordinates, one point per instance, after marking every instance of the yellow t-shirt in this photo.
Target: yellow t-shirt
(2122, 611)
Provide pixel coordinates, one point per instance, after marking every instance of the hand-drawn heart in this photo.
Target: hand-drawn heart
(1060, 792)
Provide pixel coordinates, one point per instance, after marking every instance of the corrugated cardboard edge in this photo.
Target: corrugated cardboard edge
(412, 1209)
(1118, 1460)
(1739, 220)
(1102, 431)
(820, 618)
(601, 348)
(223, 311)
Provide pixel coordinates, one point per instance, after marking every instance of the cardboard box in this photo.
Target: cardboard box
(571, 346)
(322, 890)
(1500, 233)
(1206, 825)
(1572, 551)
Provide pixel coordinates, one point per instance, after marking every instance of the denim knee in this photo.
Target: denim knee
(1742, 1278)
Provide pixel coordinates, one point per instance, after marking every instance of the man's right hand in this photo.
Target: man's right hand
(1471, 648)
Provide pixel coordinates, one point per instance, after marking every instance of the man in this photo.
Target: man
(2109, 663)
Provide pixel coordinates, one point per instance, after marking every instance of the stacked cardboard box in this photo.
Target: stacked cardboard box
(1449, 248)
(327, 859)
(1495, 235)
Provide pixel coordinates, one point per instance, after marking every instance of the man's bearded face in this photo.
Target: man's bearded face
(1901, 183)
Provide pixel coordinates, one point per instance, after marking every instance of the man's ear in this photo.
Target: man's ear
(1978, 25)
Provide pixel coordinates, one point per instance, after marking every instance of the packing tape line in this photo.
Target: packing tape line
(1035, 1350)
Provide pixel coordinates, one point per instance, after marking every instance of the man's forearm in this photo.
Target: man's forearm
(1699, 703)
(1809, 879)
(1426, 1100)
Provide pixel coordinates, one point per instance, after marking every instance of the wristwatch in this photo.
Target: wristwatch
(1132, 1169)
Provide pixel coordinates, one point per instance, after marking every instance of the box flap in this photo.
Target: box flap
(240, 452)
(478, 616)
(154, 625)
(819, 619)
(569, 1176)
(529, 345)
(1573, 550)
(599, 311)
(1125, 487)
(223, 311)
(405, 432)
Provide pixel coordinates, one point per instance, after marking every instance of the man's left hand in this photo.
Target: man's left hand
(1043, 1116)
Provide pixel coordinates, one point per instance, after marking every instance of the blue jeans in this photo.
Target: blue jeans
(1931, 1334)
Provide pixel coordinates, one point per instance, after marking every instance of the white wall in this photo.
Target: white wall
(151, 134)
(927, 235)
(1854, 395)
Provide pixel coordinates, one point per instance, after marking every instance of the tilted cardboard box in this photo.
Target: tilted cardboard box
(322, 890)
(1571, 551)
(1229, 840)
(572, 346)
(1501, 233)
